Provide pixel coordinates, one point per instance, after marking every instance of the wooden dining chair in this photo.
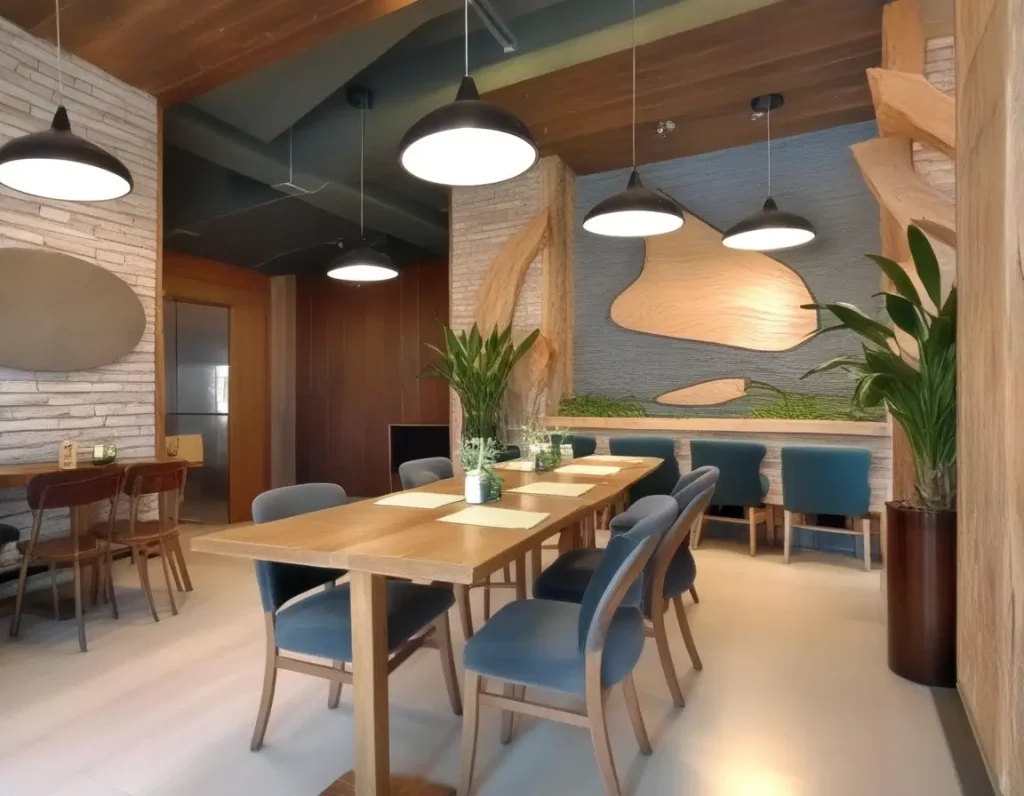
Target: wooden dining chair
(165, 481)
(320, 623)
(581, 650)
(423, 472)
(741, 484)
(72, 490)
(670, 574)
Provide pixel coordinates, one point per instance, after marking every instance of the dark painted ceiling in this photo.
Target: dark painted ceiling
(264, 171)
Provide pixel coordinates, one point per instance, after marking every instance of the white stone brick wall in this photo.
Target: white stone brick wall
(940, 70)
(115, 402)
(482, 221)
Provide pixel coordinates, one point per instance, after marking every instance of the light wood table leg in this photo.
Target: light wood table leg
(372, 774)
(370, 684)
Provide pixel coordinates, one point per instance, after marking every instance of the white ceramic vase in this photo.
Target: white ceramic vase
(476, 487)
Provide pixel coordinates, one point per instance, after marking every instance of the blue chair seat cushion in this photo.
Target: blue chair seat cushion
(321, 624)
(535, 643)
(567, 578)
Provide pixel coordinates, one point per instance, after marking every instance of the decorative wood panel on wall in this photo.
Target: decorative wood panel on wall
(721, 188)
(360, 351)
(694, 288)
(82, 316)
(990, 227)
(247, 294)
(707, 393)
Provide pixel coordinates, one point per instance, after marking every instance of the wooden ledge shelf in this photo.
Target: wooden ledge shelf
(726, 425)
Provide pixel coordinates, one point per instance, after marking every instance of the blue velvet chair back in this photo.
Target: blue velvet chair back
(624, 559)
(740, 482)
(420, 472)
(825, 479)
(654, 515)
(281, 582)
(662, 480)
(582, 444)
(691, 488)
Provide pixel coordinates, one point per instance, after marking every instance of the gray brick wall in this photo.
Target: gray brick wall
(115, 402)
(482, 220)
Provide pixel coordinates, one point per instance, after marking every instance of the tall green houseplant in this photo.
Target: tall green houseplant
(919, 388)
(478, 369)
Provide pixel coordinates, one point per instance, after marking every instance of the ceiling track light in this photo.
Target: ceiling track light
(57, 164)
(467, 142)
(769, 229)
(637, 212)
(362, 264)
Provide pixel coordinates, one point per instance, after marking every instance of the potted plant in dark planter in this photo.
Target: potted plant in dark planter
(919, 389)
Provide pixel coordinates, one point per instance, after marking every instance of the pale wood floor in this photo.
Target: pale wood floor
(795, 700)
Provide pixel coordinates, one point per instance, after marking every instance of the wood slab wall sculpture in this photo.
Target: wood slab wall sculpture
(706, 393)
(908, 106)
(694, 288)
(60, 313)
(500, 289)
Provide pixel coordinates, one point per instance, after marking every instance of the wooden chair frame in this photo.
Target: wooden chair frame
(438, 636)
(794, 519)
(754, 516)
(659, 605)
(99, 555)
(513, 700)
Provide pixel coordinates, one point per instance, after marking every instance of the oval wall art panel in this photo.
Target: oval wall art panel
(694, 288)
(60, 313)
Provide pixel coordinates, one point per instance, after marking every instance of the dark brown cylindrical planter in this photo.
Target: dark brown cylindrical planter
(921, 581)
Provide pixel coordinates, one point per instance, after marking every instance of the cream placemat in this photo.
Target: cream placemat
(587, 469)
(419, 500)
(554, 488)
(496, 518)
(604, 458)
(526, 467)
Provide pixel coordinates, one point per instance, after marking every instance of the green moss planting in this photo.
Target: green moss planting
(600, 406)
(775, 404)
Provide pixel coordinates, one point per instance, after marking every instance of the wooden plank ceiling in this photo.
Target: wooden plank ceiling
(815, 52)
(179, 49)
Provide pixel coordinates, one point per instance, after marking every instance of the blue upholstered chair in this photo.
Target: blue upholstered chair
(320, 623)
(510, 454)
(582, 650)
(582, 444)
(420, 472)
(661, 481)
(670, 574)
(826, 480)
(740, 482)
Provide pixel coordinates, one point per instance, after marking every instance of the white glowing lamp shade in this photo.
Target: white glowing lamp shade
(636, 212)
(363, 265)
(468, 142)
(57, 164)
(769, 229)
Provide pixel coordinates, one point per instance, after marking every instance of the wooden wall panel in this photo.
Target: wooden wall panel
(990, 280)
(282, 381)
(360, 351)
(247, 294)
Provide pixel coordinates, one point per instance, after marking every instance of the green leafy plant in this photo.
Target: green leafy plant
(478, 369)
(919, 388)
(773, 403)
(478, 455)
(600, 406)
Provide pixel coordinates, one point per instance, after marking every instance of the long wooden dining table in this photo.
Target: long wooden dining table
(374, 542)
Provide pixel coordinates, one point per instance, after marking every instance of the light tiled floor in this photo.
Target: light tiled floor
(795, 700)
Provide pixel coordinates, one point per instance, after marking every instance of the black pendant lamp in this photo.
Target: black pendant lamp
(769, 229)
(637, 212)
(57, 164)
(467, 142)
(362, 264)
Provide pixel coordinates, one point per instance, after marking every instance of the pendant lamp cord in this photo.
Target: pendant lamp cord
(60, 79)
(634, 84)
(768, 116)
(362, 138)
(465, 16)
